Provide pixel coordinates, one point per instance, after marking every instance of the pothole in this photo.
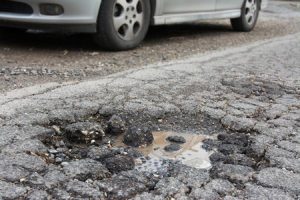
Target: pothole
(119, 146)
(171, 146)
(104, 141)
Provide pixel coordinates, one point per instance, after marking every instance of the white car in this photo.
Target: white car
(123, 24)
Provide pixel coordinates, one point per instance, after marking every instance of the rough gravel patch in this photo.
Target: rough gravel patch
(33, 58)
(248, 142)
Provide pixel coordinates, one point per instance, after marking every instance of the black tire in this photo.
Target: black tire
(109, 37)
(243, 23)
(9, 31)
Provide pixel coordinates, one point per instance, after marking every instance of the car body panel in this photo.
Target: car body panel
(264, 4)
(228, 4)
(178, 11)
(193, 17)
(84, 13)
(75, 12)
(223, 9)
(187, 6)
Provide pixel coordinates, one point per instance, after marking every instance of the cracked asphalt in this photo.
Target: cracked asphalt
(247, 98)
(60, 140)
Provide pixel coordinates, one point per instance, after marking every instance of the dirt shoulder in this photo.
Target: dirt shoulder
(33, 58)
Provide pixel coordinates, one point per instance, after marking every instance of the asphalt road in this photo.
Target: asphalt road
(33, 58)
(61, 141)
(246, 100)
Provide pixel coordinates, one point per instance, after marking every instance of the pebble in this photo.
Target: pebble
(137, 137)
(176, 139)
(64, 163)
(172, 147)
(116, 125)
(53, 151)
(58, 160)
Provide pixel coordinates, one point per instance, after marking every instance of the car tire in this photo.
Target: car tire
(10, 31)
(122, 24)
(249, 15)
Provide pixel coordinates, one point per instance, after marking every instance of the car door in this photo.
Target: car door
(229, 4)
(187, 6)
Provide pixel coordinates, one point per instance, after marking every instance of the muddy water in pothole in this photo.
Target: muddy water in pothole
(191, 153)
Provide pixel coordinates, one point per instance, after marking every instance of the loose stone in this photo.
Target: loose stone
(116, 125)
(138, 137)
(176, 139)
(172, 147)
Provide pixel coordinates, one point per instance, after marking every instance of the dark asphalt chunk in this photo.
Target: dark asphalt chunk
(137, 137)
(119, 163)
(116, 125)
(84, 132)
(172, 147)
(176, 139)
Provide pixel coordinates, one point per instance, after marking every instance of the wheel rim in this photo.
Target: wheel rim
(128, 18)
(251, 9)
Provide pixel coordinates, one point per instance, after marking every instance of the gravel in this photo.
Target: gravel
(137, 137)
(122, 187)
(258, 192)
(10, 190)
(86, 169)
(33, 58)
(116, 125)
(84, 132)
(119, 163)
(234, 173)
(280, 178)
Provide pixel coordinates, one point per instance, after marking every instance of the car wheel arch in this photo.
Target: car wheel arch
(260, 2)
(153, 4)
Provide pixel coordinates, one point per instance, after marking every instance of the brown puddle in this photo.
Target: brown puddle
(191, 153)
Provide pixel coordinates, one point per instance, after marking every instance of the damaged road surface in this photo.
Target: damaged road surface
(135, 134)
